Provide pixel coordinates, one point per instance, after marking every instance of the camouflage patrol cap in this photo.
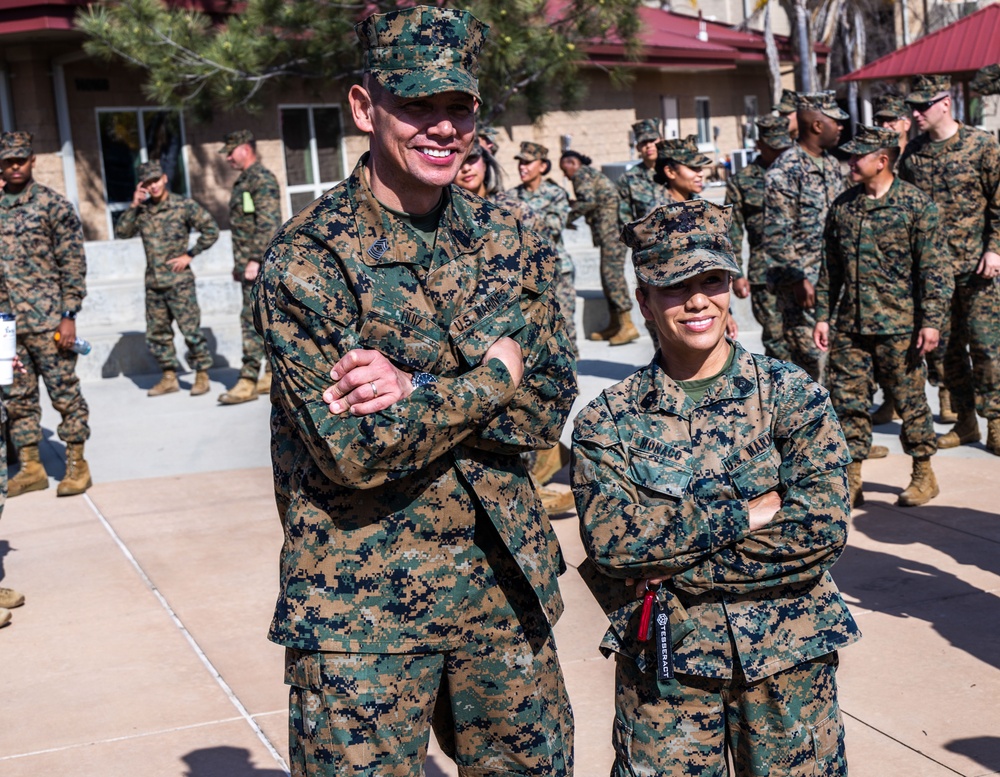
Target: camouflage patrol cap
(682, 150)
(16, 145)
(824, 102)
(773, 132)
(647, 129)
(926, 88)
(234, 139)
(678, 241)
(869, 139)
(532, 151)
(421, 51)
(148, 171)
(889, 106)
(789, 101)
(987, 80)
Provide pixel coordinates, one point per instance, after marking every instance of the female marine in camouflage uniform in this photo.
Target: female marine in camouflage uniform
(711, 483)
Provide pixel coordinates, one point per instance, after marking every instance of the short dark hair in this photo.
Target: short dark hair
(570, 154)
(892, 152)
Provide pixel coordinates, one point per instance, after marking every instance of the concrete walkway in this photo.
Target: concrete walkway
(141, 649)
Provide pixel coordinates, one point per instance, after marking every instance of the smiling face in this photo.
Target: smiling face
(570, 165)
(531, 172)
(472, 175)
(417, 144)
(690, 319)
(864, 167)
(684, 181)
(157, 188)
(16, 173)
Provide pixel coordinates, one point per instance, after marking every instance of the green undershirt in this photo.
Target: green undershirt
(425, 225)
(696, 389)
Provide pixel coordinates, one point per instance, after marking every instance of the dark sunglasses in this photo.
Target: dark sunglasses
(924, 107)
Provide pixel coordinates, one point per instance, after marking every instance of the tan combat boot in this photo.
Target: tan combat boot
(963, 433)
(854, 484)
(168, 385)
(9, 598)
(609, 331)
(626, 329)
(947, 414)
(264, 384)
(548, 463)
(877, 452)
(245, 390)
(556, 502)
(77, 478)
(31, 476)
(923, 485)
(201, 385)
(885, 414)
(993, 436)
(4, 617)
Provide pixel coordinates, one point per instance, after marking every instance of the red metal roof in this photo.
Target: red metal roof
(958, 49)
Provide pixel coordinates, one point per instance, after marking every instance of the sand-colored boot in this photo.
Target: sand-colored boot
(964, 432)
(626, 329)
(609, 331)
(993, 436)
(854, 484)
(947, 414)
(548, 463)
(77, 478)
(4, 617)
(886, 413)
(9, 598)
(556, 502)
(245, 390)
(923, 485)
(168, 385)
(877, 452)
(264, 384)
(201, 385)
(31, 476)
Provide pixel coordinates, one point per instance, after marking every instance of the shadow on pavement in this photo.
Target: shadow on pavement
(224, 762)
(982, 750)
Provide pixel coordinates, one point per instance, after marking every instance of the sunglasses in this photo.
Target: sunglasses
(924, 107)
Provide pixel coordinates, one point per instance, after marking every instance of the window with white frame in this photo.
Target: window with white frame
(313, 140)
(131, 136)
(703, 115)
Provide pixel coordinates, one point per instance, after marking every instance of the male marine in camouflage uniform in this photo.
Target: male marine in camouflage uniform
(418, 575)
(799, 188)
(638, 191)
(723, 495)
(884, 289)
(550, 203)
(959, 167)
(165, 223)
(45, 271)
(745, 192)
(254, 217)
(786, 108)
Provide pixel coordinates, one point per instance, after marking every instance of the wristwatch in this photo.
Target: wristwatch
(70, 314)
(420, 379)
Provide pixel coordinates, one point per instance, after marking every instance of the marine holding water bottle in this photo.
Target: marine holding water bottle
(45, 271)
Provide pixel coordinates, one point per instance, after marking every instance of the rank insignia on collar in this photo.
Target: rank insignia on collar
(377, 249)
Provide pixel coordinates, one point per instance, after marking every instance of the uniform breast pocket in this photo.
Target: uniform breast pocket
(753, 468)
(475, 331)
(403, 337)
(662, 472)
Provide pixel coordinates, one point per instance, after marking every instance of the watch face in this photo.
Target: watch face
(422, 379)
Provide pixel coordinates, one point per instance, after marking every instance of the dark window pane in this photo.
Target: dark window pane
(298, 158)
(328, 136)
(164, 145)
(120, 153)
(300, 200)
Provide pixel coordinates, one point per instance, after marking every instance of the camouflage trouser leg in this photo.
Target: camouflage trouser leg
(253, 343)
(764, 304)
(565, 295)
(613, 282)
(850, 372)
(798, 326)
(972, 353)
(57, 369)
(178, 303)
(788, 724)
(935, 359)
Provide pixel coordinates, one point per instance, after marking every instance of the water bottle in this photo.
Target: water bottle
(80, 345)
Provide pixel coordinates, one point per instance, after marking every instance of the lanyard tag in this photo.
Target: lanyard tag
(664, 646)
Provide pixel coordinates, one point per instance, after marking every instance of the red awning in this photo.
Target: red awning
(959, 49)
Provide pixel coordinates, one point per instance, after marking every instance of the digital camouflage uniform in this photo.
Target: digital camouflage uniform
(165, 228)
(598, 202)
(883, 279)
(745, 192)
(254, 217)
(637, 191)
(798, 192)
(961, 175)
(45, 271)
(662, 483)
(551, 203)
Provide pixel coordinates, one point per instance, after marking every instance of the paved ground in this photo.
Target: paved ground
(141, 648)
